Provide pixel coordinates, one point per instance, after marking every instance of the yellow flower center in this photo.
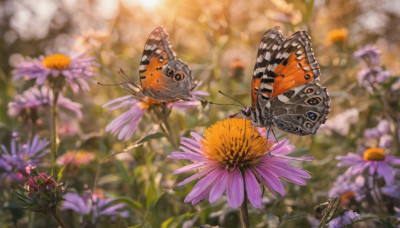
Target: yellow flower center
(337, 35)
(143, 105)
(56, 62)
(234, 142)
(374, 154)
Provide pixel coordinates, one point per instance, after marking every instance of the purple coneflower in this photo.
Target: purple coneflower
(374, 159)
(77, 71)
(95, 205)
(14, 160)
(126, 123)
(234, 158)
(36, 97)
(343, 220)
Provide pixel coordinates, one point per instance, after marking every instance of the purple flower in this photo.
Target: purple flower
(77, 71)
(126, 124)
(36, 97)
(94, 205)
(393, 189)
(342, 221)
(374, 159)
(370, 78)
(369, 54)
(342, 122)
(233, 156)
(344, 186)
(15, 159)
(376, 132)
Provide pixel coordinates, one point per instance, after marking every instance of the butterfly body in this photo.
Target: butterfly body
(163, 77)
(284, 91)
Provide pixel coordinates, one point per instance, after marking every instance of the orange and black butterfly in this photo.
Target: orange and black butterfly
(284, 88)
(163, 77)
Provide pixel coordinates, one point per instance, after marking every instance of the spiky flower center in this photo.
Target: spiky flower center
(56, 61)
(234, 143)
(374, 154)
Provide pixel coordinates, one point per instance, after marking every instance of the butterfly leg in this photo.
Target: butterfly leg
(269, 151)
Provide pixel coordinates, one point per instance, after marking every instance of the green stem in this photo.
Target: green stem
(57, 217)
(244, 213)
(54, 132)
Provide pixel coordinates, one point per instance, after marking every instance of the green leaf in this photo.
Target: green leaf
(123, 171)
(294, 215)
(60, 173)
(147, 138)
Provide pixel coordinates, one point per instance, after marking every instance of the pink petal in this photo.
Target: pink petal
(253, 189)
(195, 176)
(271, 178)
(218, 188)
(202, 185)
(235, 189)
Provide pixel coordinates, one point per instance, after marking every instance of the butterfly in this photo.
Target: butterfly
(163, 77)
(284, 89)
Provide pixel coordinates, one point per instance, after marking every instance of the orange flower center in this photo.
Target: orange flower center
(234, 142)
(346, 198)
(374, 154)
(56, 62)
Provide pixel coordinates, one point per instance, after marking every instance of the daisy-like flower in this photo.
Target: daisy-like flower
(375, 159)
(94, 205)
(35, 97)
(369, 54)
(126, 124)
(234, 158)
(343, 220)
(14, 160)
(76, 71)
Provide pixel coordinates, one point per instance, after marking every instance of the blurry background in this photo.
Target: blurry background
(219, 41)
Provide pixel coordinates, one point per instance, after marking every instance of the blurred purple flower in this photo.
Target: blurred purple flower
(344, 184)
(374, 159)
(393, 189)
(223, 169)
(376, 132)
(369, 54)
(380, 133)
(19, 156)
(77, 71)
(35, 97)
(342, 122)
(94, 205)
(126, 124)
(342, 221)
(370, 78)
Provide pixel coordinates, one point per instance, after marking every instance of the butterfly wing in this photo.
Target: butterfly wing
(163, 76)
(267, 49)
(300, 110)
(292, 65)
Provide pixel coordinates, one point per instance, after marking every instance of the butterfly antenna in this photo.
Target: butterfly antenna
(118, 84)
(124, 76)
(242, 105)
(224, 104)
(276, 140)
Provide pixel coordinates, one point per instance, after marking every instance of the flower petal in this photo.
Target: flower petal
(252, 189)
(235, 189)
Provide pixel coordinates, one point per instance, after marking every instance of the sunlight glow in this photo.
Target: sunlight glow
(149, 3)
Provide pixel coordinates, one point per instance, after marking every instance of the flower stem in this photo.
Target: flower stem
(57, 217)
(244, 213)
(54, 132)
